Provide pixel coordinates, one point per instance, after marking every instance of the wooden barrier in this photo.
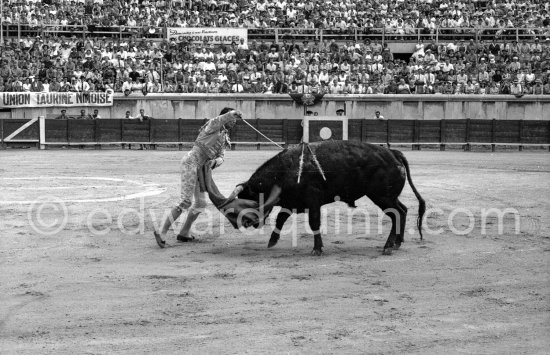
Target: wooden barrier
(28, 131)
(374, 131)
(80, 131)
(416, 133)
(535, 132)
(165, 131)
(108, 131)
(57, 132)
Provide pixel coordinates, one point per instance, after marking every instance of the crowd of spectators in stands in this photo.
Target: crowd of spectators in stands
(341, 16)
(138, 66)
(143, 66)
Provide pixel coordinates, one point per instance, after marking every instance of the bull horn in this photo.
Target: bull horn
(235, 192)
(273, 198)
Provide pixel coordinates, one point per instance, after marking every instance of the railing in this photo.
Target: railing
(20, 31)
(385, 34)
(98, 132)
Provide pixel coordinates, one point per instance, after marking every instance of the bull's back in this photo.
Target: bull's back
(349, 155)
(353, 170)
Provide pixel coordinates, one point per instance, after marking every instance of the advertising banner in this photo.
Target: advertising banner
(49, 99)
(213, 35)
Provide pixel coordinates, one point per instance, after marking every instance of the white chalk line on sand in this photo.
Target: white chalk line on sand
(38, 188)
(151, 189)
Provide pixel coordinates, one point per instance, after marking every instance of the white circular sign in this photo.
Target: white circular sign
(325, 133)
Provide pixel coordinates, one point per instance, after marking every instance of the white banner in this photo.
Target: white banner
(49, 99)
(222, 35)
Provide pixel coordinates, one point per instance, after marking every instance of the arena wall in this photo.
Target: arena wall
(261, 106)
(100, 132)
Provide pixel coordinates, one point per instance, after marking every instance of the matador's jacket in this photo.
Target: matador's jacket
(210, 145)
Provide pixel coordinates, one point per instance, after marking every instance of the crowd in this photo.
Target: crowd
(138, 67)
(342, 16)
(141, 66)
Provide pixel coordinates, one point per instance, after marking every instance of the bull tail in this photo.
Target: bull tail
(421, 203)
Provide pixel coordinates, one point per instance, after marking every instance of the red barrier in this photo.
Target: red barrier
(57, 131)
(241, 132)
(374, 131)
(293, 131)
(9, 126)
(136, 131)
(165, 131)
(158, 131)
(480, 131)
(189, 129)
(108, 131)
(427, 131)
(535, 132)
(401, 131)
(271, 128)
(507, 131)
(454, 131)
(81, 131)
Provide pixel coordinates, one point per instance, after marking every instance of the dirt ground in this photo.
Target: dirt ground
(113, 290)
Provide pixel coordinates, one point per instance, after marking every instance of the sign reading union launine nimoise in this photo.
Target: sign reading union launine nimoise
(49, 99)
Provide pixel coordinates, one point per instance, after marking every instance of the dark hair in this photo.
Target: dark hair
(226, 110)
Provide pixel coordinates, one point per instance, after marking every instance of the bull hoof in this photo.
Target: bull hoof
(317, 252)
(387, 251)
(397, 246)
(273, 241)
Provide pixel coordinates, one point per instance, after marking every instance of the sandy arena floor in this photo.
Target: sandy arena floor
(101, 285)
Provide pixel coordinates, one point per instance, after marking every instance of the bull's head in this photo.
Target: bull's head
(239, 211)
(265, 203)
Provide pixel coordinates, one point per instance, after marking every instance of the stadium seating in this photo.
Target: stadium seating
(468, 48)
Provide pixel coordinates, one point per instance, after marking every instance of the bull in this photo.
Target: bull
(346, 171)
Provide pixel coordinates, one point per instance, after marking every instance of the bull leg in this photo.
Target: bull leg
(279, 223)
(403, 220)
(315, 224)
(391, 208)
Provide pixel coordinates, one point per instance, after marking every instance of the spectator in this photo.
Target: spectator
(538, 89)
(378, 116)
(403, 88)
(104, 65)
(516, 88)
(142, 116)
(83, 115)
(63, 115)
(236, 87)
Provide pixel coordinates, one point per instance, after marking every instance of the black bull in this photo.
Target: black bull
(352, 170)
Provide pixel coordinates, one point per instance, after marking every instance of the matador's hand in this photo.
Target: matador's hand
(214, 163)
(236, 114)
